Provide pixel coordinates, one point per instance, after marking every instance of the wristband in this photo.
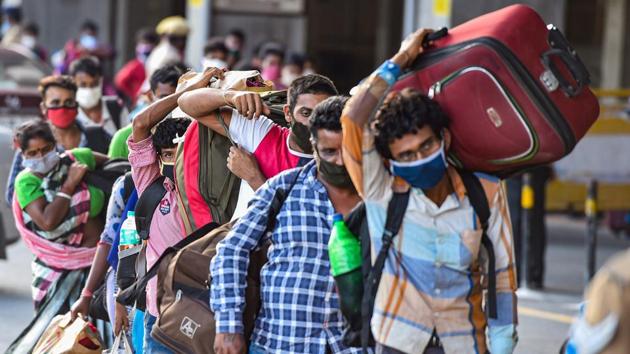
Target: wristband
(389, 71)
(86, 293)
(64, 195)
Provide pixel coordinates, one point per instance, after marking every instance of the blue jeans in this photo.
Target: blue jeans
(151, 346)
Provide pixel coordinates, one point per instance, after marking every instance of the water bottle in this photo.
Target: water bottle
(344, 252)
(128, 235)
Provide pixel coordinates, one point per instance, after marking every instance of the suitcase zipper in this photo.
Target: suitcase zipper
(543, 102)
(436, 89)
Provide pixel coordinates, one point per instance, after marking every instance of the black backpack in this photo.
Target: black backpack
(114, 106)
(359, 334)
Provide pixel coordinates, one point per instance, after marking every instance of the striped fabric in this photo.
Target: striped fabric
(70, 231)
(434, 274)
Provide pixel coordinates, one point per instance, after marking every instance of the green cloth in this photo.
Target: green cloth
(118, 147)
(28, 185)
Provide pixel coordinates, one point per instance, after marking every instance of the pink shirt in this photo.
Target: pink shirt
(166, 226)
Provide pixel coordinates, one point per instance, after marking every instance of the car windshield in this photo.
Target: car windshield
(18, 71)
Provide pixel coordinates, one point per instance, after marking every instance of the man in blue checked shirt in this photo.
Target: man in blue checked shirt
(300, 308)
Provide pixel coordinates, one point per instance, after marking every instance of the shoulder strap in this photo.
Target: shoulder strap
(278, 199)
(479, 202)
(147, 203)
(217, 114)
(395, 213)
(129, 295)
(128, 186)
(97, 139)
(114, 107)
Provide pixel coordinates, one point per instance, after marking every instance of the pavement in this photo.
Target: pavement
(544, 316)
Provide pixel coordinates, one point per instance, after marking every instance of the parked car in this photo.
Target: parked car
(20, 73)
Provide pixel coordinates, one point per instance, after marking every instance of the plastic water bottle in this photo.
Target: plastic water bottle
(128, 235)
(344, 252)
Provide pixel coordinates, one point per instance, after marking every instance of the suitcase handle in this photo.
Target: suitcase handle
(560, 48)
(433, 36)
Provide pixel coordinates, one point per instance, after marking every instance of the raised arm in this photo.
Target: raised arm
(155, 112)
(203, 103)
(364, 102)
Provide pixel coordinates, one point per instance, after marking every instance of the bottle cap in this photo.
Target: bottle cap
(337, 217)
(131, 213)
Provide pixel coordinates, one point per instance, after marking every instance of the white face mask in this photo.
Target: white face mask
(28, 41)
(42, 164)
(213, 63)
(89, 97)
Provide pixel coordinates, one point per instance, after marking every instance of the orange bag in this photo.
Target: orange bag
(66, 336)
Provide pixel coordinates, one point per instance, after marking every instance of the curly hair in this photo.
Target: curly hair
(32, 129)
(327, 115)
(406, 112)
(167, 130)
(63, 81)
(313, 84)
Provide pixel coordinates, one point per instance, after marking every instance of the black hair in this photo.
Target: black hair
(215, 44)
(167, 130)
(35, 128)
(88, 64)
(271, 48)
(32, 28)
(89, 25)
(314, 84)
(236, 32)
(148, 35)
(13, 13)
(62, 81)
(327, 115)
(406, 112)
(168, 74)
(296, 59)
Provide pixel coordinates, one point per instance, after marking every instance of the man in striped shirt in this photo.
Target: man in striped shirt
(434, 279)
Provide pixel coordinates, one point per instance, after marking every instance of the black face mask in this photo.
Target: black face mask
(168, 171)
(334, 174)
(301, 136)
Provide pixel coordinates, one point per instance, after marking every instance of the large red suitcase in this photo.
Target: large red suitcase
(516, 93)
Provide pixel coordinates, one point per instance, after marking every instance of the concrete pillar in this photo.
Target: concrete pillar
(122, 35)
(426, 14)
(198, 15)
(613, 43)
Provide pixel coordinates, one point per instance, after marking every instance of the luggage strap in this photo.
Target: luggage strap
(147, 203)
(395, 212)
(479, 202)
(130, 295)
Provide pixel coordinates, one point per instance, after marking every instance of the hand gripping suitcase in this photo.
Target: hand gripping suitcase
(516, 93)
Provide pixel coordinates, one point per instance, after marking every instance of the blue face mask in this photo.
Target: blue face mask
(424, 173)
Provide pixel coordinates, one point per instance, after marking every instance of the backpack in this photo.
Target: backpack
(97, 138)
(360, 334)
(186, 323)
(206, 189)
(114, 106)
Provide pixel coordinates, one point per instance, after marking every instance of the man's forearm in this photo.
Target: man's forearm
(152, 115)
(202, 102)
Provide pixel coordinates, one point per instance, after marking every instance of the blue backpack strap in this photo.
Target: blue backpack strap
(112, 257)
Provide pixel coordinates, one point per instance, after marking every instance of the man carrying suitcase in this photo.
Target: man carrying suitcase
(429, 299)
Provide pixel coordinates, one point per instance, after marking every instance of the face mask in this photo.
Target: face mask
(424, 173)
(271, 73)
(213, 63)
(28, 41)
(334, 174)
(88, 42)
(42, 164)
(142, 51)
(167, 170)
(5, 27)
(61, 117)
(89, 97)
(301, 136)
(288, 77)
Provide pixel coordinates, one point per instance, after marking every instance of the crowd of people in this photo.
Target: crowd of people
(321, 152)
